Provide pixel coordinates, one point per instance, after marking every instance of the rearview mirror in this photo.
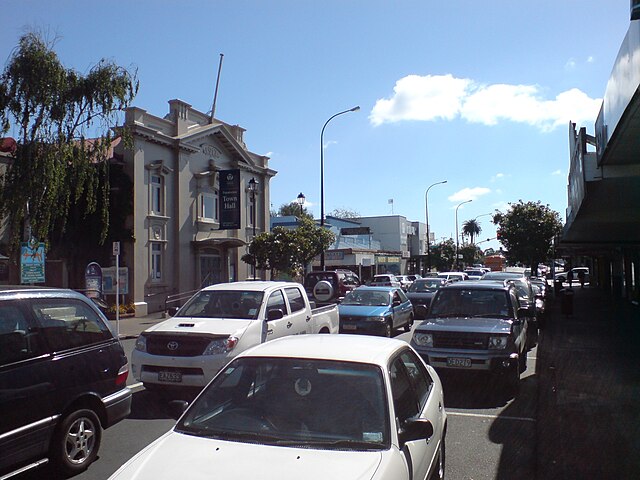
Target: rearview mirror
(415, 428)
(275, 314)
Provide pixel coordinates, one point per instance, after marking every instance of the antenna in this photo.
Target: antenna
(215, 95)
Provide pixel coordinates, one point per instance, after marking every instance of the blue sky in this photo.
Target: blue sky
(478, 93)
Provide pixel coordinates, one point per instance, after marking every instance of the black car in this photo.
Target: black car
(330, 286)
(422, 290)
(63, 379)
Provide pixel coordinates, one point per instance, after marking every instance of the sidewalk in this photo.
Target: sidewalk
(132, 326)
(589, 390)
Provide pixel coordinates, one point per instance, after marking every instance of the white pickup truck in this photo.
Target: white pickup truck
(219, 322)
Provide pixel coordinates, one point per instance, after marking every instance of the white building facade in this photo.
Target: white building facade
(195, 210)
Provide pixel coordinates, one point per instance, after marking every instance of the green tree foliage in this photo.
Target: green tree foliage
(527, 231)
(292, 209)
(285, 250)
(443, 255)
(343, 213)
(471, 228)
(53, 112)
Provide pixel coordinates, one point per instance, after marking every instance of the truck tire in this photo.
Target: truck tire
(323, 291)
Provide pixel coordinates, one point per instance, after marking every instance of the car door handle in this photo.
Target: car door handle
(289, 324)
(308, 319)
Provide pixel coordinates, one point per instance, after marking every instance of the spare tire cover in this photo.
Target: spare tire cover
(323, 291)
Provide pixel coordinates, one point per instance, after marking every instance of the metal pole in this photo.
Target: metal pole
(255, 220)
(426, 209)
(215, 95)
(322, 173)
(457, 241)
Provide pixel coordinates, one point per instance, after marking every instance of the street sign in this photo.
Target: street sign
(32, 261)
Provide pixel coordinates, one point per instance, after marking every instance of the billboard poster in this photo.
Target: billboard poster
(32, 258)
(109, 281)
(230, 199)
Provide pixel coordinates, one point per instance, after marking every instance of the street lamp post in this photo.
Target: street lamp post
(322, 173)
(301, 198)
(253, 185)
(426, 210)
(457, 240)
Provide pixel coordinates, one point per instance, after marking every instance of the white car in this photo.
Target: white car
(313, 407)
(385, 280)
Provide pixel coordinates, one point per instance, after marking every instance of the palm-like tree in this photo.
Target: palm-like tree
(471, 228)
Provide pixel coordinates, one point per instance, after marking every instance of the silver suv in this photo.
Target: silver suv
(476, 326)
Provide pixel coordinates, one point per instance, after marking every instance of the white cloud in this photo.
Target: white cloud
(591, 59)
(433, 97)
(468, 194)
(498, 177)
(570, 65)
(502, 206)
(557, 172)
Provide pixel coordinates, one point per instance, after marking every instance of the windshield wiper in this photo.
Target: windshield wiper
(355, 444)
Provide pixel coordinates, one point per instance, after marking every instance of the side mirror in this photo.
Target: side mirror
(274, 314)
(420, 312)
(415, 428)
(177, 408)
(171, 311)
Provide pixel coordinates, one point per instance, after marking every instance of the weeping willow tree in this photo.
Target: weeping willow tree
(63, 122)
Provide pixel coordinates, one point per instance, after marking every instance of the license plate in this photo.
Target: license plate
(459, 362)
(349, 327)
(173, 377)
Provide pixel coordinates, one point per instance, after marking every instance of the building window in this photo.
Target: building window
(209, 206)
(156, 261)
(156, 191)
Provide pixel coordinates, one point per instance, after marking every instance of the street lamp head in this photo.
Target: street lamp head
(301, 198)
(355, 109)
(253, 184)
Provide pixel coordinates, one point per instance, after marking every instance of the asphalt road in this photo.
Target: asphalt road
(490, 435)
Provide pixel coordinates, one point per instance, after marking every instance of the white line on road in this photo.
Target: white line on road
(495, 417)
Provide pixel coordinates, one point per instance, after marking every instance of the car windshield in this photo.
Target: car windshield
(426, 285)
(470, 303)
(363, 297)
(293, 402)
(223, 304)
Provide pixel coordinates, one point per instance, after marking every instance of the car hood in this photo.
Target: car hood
(363, 310)
(420, 295)
(467, 324)
(216, 326)
(175, 455)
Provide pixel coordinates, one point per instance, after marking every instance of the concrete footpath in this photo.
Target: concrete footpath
(588, 368)
(589, 389)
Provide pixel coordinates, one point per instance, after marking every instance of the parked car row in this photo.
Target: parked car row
(362, 403)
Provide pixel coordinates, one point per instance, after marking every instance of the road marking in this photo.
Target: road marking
(494, 417)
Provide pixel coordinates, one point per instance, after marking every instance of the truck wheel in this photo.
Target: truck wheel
(76, 442)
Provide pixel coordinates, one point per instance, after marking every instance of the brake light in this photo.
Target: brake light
(123, 373)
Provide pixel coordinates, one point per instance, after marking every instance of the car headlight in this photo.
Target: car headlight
(423, 339)
(220, 346)
(141, 343)
(497, 343)
(376, 319)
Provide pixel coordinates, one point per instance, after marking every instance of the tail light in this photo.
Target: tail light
(123, 373)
